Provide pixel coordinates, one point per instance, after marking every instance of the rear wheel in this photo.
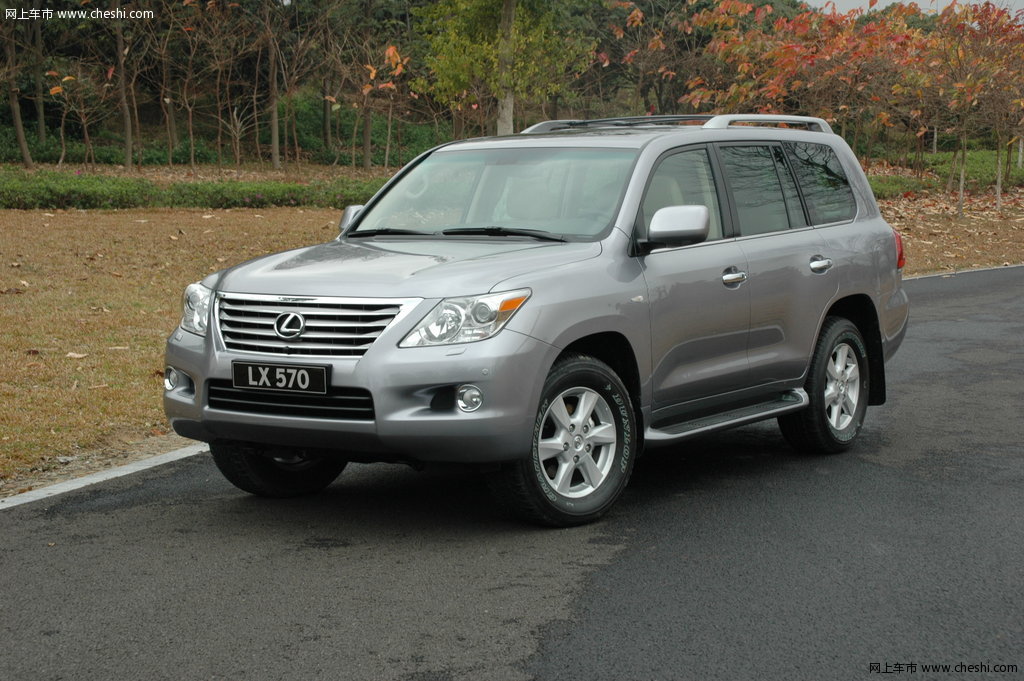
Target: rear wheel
(276, 471)
(583, 447)
(837, 385)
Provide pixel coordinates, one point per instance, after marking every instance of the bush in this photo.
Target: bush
(47, 189)
(50, 190)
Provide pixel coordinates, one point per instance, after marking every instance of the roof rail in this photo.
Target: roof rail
(624, 121)
(711, 122)
(726, 120)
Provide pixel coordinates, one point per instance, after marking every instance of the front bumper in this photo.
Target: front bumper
(415, 418)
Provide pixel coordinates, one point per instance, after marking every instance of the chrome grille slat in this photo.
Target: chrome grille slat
(231, 305)
(334, 327)
(308, 335)
(310, 321)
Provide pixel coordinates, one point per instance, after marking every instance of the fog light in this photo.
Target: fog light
(171, 378)
(469, 398)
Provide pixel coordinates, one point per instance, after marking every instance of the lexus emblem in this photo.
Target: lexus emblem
(289, 325)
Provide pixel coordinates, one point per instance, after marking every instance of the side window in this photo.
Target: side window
(755, 180)
(684, 179)
(825, 186)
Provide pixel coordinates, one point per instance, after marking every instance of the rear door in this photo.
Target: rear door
(790, 278)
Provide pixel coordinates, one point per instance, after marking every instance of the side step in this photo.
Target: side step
(793, 400)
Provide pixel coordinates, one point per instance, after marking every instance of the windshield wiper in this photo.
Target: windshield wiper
(503, 231)
(386, 231)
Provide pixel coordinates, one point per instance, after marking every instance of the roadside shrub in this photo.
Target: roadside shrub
(51, 189)
(47, 189)
(235, 194)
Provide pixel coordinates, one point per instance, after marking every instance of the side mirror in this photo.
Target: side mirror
(348, 217)
(677, 226)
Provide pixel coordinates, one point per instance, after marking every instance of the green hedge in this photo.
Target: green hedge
(51, 190)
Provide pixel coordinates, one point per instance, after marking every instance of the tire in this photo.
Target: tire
(838, 387)
(580, 460)
(276, 472)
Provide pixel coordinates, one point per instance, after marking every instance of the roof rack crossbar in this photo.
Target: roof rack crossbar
(726, 120)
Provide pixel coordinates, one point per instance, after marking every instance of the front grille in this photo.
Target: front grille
(334, 327)
(353, 404)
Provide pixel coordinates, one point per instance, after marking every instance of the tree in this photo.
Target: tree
(468, 56)
(11, 69)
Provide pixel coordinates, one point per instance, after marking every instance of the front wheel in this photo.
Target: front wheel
(584, 445)
(276, 472)
(837, 385)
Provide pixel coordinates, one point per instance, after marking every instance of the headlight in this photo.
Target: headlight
(196, 308)
(464, 320)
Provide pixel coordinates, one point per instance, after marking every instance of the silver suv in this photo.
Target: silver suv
(549, 304)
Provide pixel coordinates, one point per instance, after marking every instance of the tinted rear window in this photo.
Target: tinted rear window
(826, 189)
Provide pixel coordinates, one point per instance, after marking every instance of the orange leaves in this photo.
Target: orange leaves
(395, 64)
(635, 18)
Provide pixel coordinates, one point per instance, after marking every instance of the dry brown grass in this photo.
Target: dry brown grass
(86, 302)
(87, 299)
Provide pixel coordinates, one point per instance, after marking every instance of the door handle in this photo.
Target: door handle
(733, 277)
(820, 264)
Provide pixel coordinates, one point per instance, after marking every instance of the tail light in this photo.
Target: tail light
(901, 256)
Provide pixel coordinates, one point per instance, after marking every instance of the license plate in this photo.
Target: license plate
(294, 378)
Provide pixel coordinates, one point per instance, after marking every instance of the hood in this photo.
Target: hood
(407, 268)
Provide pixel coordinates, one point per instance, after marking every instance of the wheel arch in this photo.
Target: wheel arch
(614, 349)
(860, 310)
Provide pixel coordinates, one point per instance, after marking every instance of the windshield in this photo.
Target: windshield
(567, 192)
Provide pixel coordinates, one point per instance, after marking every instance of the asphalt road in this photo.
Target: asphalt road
(729, 559)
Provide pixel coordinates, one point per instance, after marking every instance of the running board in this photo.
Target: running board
(793, 400)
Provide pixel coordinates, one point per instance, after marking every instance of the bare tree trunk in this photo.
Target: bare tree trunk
(37, 68)
(90, 155)
(12, 94)
(275, 128)
(219, 117)
(506, 63)
(387, 143)
(1020, 152)
(135, 118)
(935, 140)
(167, 106)
(122, 89)
(326, 112)
(999, 173)
(63, 141)
(963, 175)
(367, 135)
(293, 117)
(256, 108)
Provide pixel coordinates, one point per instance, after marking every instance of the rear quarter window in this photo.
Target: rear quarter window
(826, 189)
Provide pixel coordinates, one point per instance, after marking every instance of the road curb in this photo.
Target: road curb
(92, 479)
